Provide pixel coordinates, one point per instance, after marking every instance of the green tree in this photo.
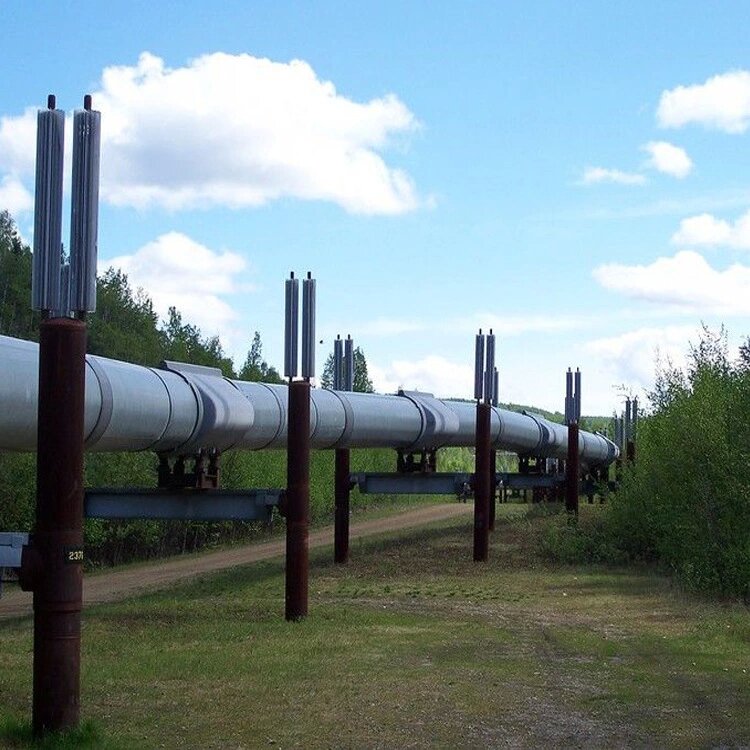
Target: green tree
(255, 367)
(16, 316)
(125, 325)
(362, 382)
(184, 343)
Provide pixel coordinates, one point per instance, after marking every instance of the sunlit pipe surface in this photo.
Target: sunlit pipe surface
(182, 408)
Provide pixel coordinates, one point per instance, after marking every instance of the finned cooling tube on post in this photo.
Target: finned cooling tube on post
(47, 259)
(338, 362)
(489, 373)
(308, 327)
(349, 364)
(84, 215)
(478, 365)
(291, 316)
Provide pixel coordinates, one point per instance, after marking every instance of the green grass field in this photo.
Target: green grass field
(411, 645)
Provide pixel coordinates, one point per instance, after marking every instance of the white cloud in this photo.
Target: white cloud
(595, 175)
(14, 197)
(707, 230)
(722, 103)
(176, 270)
(237, 131)
(18, 143)
(668, 158)
(431, 374)
(685, 283)
(631, 358)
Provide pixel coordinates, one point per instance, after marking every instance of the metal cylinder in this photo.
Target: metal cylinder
(572, 470)
(308, 327)
(630, 451)
(297, 500)
(84, 214)
(57, 540)
(341, 522)
(482, 483)
(478, 365)
(338, 362)
(47, 258)
(291, 320)
(489, 371)
(348, 384)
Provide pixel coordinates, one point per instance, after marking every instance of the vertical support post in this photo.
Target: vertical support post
(342, 485)
(341, 521)
(628, 431)
(573, 470)
(298, 444)
(297, 500)
(483, 448)
(493, 489)
(482, 483)
(633, 430)
(53, 563)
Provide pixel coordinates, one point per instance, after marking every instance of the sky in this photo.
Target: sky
(575, 176)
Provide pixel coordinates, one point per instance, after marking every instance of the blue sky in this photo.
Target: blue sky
(574, 175)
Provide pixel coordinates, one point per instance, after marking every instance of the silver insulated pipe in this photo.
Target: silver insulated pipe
(181, 408)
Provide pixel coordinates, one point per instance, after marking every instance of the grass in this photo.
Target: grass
(410, 645)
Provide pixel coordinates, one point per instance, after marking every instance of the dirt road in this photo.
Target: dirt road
(120, 584)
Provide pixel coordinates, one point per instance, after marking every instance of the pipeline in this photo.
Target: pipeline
(181, 408)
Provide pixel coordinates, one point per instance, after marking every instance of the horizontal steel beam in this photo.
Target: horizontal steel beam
(11, 545)
(529, 481)
(439, 483)
(187, 505)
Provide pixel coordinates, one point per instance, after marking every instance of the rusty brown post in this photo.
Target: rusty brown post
(482, 483)
(493, 489)
(630, 451)
(342, 489)
(297, 499)
(52, 565)
(572, 470)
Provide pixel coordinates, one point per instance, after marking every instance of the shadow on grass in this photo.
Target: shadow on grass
(15, 733)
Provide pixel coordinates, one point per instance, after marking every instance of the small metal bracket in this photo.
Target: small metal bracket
(409, 462)
(206, 473)
(11, 550)
(11, 545)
